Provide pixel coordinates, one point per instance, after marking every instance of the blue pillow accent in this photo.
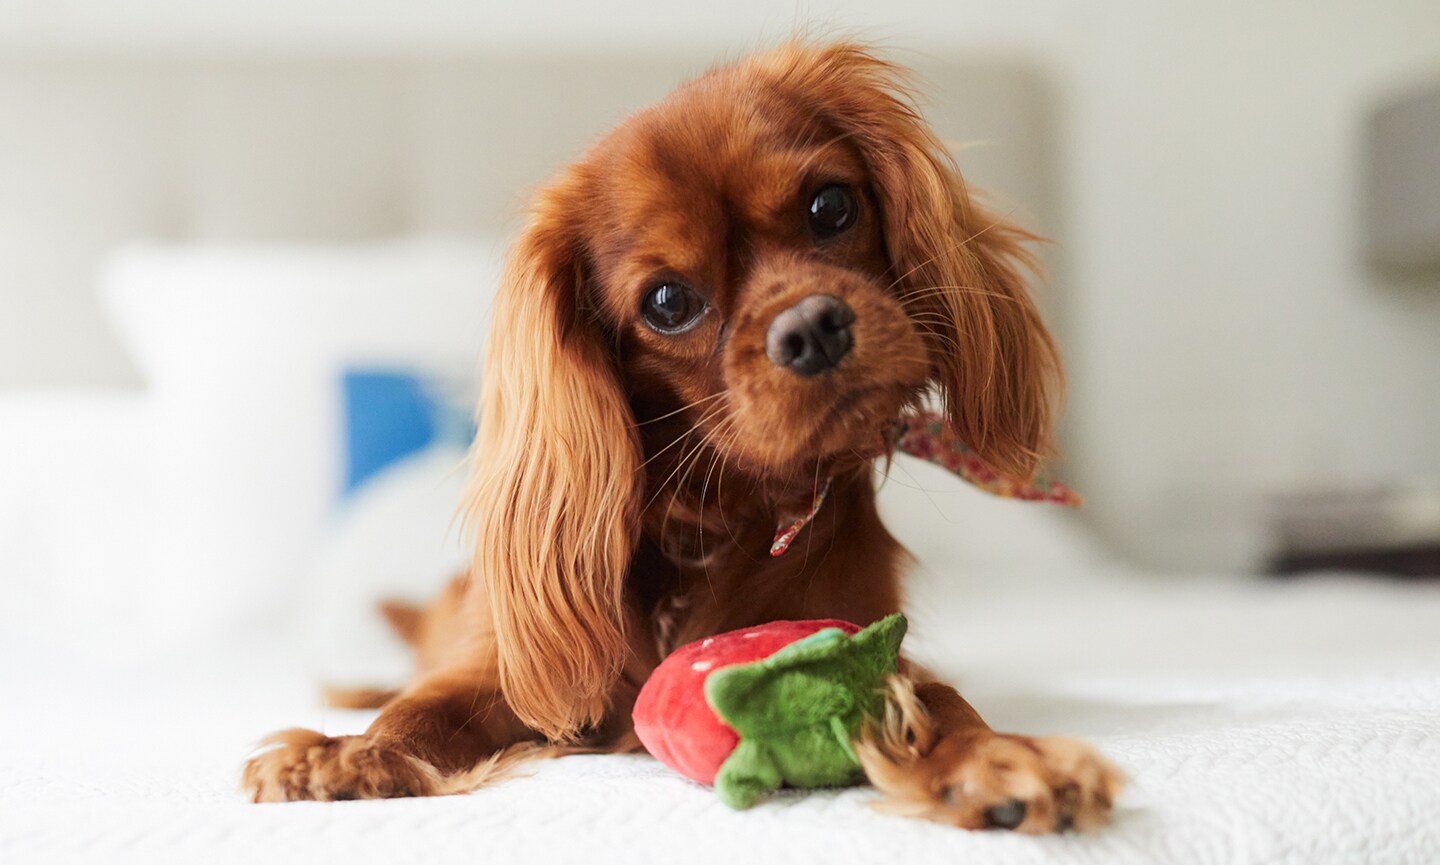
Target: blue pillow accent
(391, 414)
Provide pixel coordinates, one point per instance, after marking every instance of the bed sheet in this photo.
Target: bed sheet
(1259, 722)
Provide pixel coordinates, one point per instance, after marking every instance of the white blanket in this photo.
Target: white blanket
(1259, 723)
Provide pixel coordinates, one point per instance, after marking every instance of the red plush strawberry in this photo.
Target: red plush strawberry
(778, 703)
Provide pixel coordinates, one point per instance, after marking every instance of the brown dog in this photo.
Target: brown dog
(711, 314)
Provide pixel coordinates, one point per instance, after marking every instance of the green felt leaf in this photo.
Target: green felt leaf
(746, 775)
(797, 686)
(798, 710)
(879, 644)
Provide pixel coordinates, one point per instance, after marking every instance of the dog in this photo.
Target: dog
(712, 315)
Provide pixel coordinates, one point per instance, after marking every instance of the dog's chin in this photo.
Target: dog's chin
(849, 430)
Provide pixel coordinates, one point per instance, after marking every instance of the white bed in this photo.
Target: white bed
(1260, 723)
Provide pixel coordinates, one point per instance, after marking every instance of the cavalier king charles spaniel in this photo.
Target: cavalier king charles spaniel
(720, 307)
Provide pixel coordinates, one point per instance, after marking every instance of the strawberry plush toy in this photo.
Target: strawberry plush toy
(777, 704)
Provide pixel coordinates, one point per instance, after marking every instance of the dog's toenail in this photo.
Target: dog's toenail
(1068, 797)
(1065, 823)
(343, 796)
(1006, 816)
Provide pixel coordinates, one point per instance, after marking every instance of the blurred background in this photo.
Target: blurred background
(248, 251)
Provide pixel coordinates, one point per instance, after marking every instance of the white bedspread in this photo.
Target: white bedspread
(1259, 722)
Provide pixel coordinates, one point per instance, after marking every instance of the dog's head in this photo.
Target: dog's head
(782, 255)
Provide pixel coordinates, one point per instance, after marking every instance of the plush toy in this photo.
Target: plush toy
(777, 704)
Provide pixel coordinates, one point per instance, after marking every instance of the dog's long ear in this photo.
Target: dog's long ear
(555, 489)
(959, 268)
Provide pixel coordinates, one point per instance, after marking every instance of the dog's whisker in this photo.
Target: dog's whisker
(817, 151)
(915, 485)
(720, 494)
(688, 457)
(959, 244)
(688, 432)
(665, 484)
(698, 402)
(930, 317)
(693, 461)
(714, 461)
(927, 292)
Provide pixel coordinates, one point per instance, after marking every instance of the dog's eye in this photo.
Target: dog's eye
(672, 307)
(832, 210)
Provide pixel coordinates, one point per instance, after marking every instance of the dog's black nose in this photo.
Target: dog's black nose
(811, 336)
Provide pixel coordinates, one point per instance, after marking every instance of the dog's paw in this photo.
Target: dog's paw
(304, 765)
(987, 780)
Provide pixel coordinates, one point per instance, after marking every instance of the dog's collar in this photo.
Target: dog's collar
(927, 436)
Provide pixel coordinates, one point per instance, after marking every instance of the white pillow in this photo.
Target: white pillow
(77, 552)
(397, 538)
(242, 349)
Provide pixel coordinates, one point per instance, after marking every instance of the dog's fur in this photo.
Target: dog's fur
(626, 483)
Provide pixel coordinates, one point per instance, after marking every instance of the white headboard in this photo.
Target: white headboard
(101, 148)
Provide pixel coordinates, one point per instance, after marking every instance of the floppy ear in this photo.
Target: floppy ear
(554, 498)
(959, 268)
